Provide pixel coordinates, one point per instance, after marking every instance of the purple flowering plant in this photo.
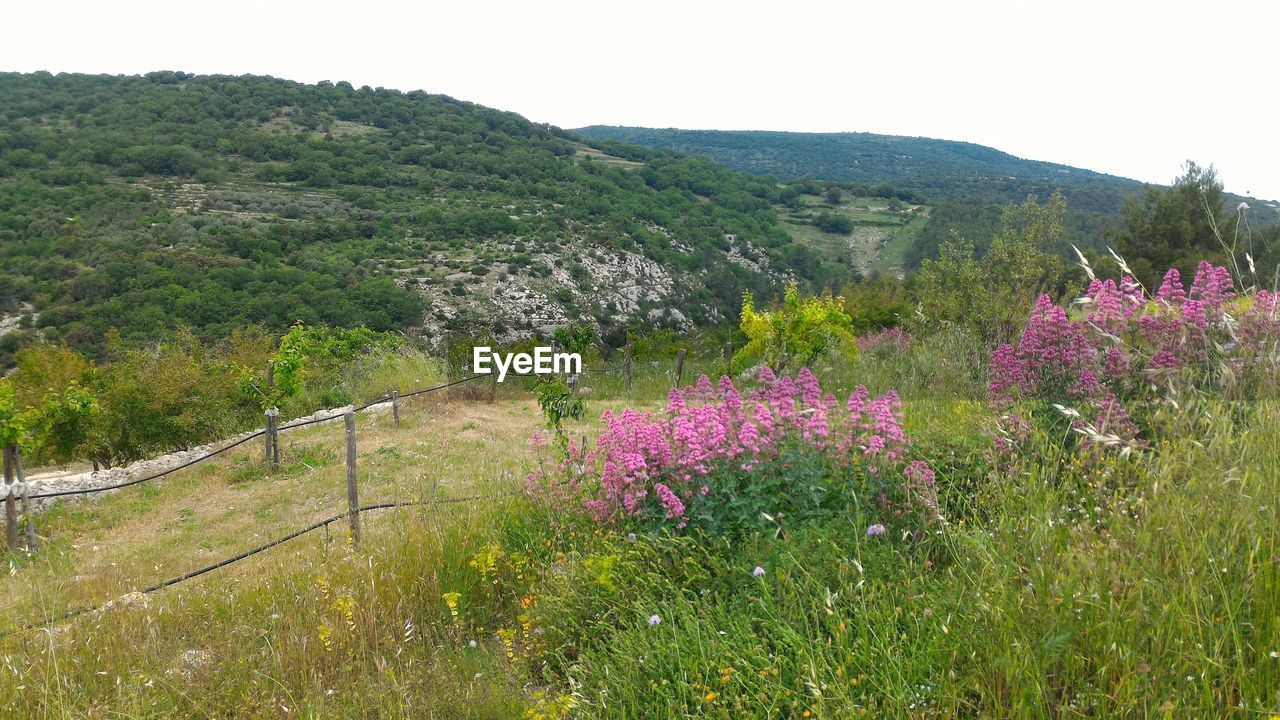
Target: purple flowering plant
(727, 461)
(1107, 365)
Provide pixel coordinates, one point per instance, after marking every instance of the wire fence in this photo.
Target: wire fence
(354, 510)
(153, 476)
(77, 612)
(612, 369)
(237, 443)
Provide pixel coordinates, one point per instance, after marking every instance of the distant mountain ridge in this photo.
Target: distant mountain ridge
(938, 169)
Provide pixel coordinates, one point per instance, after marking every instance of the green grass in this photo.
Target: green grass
(892, 256)
(880, 238)
(1063, 586)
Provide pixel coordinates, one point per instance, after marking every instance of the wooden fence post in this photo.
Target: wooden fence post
(275, 436)
(10, 502)
(395, 405)
(272, 436)
(627, 367)
(353, 495)
(493, 387)
(27, 508)
(728, 359)
(680, 368)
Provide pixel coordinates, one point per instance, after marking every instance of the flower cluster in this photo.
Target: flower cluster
(1122, 345)
(657, 466)
(888, 341)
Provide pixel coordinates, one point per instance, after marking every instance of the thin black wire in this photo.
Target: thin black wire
(136, 481)
(241, 441)
(261, 548)
(605, 370)
(417, 392)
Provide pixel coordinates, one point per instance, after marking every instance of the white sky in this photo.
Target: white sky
(1131, 88)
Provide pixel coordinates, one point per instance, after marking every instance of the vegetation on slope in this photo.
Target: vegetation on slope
(969, 184)
(137, 204)
(1068, 580)
(937, 169)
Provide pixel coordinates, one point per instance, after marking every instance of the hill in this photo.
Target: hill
(938, 169)
(138, 204)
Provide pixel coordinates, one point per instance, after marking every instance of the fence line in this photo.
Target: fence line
(136, 481)
(260, 548)
(271, 431)
(241, 441)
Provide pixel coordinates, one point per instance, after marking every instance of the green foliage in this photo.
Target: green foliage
(65, 424)
(1177, 227)
(799, 486)
(180, 391)
(318, 350)
(832, 223)
(558, 403)
(989, 296)
(169, 396)
(875, 304)
(940, 169)
(217, 202)
(801, 330)
(13, 424)
(578, 338)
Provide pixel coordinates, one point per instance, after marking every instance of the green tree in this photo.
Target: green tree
(64, 425)
(802, 330)
(990, 296)
(832, 223)
(1174, 227)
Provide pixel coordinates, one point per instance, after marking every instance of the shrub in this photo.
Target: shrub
(832, 223)
(726, 463)
(989, 294)
(167, 397)
(558, 403)
(801, 331)
(1125, 354)
(886, 343)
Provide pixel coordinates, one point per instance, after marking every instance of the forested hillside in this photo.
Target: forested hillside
(970, 182)
(146, 203)
(938, 169)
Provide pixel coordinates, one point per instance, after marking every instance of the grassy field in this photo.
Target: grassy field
(880, 236)
(1060, 587)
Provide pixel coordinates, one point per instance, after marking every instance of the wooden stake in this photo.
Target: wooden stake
(728, 358)
(628, 366)
(275, 436)
(10, 502)
(272, 436)
(493, 387)
(395, 405)
(680, 368)
(27, 508)
(353, 495)
(273, 417)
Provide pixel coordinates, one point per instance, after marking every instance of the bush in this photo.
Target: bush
(728, 464)
(838, 224)
(1106, 371)
(800, 332)
(167, 397)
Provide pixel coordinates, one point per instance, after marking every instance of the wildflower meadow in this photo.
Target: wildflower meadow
(1078, 522)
